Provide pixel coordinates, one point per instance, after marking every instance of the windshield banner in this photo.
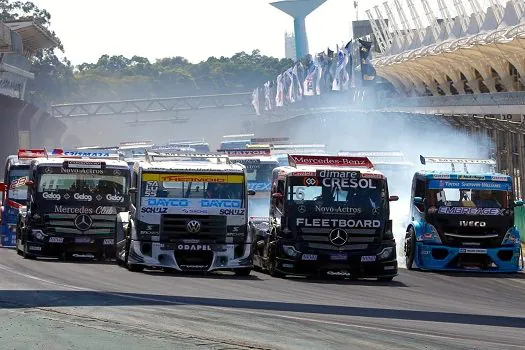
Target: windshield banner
(260, 186)
(215, 178)
(467, 185)
(471, 211)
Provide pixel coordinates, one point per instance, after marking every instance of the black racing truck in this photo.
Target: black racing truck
(72, 206)
(329, 216)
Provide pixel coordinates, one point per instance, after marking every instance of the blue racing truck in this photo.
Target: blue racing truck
(14, 194)
(462, 221)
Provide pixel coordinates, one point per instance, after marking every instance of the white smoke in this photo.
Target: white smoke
(392, 132)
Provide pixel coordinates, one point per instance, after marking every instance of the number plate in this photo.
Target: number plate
(368, 258)
(339, 256)
(309, 257)
(82, 240)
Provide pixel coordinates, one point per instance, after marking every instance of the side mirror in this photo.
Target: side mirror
(132, 190)
(277, 195)
(30, 183)
(518, 203)
(251, 192)
(393, 198)
(2, 187)
(418, 201)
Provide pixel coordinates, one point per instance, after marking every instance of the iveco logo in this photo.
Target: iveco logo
(338, 237)
(83, 222)
(473, 223)
(193, 226)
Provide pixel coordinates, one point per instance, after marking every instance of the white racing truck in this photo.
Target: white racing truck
(189, 213)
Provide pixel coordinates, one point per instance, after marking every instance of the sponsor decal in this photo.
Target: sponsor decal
(114, 198)
(168, 202)
(466, 223)
(260, 186)
(74, 164)
(232, 212)
(194, 178)
(329, 160)
(194, 266)
(309, 257)
(108, 241)
(338, 174)
(340, 183)
(83, 197)
(471, 177)
(105, 210)
(368, 258)
(220, 203)
(341, 223)
(21, 181)
(155, 210)
(32, 247)
(474, 185)
(151, 189)
(300, 173)
(56, 239)
(339, 273)
(88, 154)
(69, 210)
(310, 181)
(149, 233)
(51, 196)
(194, 247)
(81, 171)
(471, 211)
(195, 211)
(372, 176)
(472, 251)
(441, 176)
(337, 210)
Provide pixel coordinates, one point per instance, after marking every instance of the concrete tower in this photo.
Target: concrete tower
(299, 9)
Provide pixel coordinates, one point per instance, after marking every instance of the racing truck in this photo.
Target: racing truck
(134, 148)
(14, 194)
(462, 220)
(189, 213)
(236, 141)
(198, 145)
(259, 165)
(329, 216)
(72, 206)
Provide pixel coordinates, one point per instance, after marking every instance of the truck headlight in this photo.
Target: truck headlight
(291, 251)
(431, 235)
(38, 234)
(512, 237)
(385, 253)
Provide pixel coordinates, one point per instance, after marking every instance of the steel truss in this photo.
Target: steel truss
(154, 105)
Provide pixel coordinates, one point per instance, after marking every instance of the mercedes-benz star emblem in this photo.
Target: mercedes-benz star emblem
(301, 209)
(338, 237)
(375, 211)
(193, 226)
(83, 222)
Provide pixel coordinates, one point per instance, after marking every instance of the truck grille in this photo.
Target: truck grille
(174, 227)
(64, 224)
(358, 239)
(475, 236)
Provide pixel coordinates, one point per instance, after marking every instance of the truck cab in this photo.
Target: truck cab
(329, 216)
(461, 220)
(72, 203)
(189, 213)
(14, 194)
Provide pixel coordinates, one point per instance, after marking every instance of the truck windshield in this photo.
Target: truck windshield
(17, 178)
(211, 186)
(326, 193)
(450, 194)
(83, 183)
(259, 174)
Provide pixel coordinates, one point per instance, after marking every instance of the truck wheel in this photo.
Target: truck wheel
(26, 255)
(410, 248)
(272, 268)
(243, 272)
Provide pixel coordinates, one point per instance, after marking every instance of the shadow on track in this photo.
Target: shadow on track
(15, 299)
(207, 275)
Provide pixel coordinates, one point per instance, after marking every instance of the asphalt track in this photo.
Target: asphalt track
(77, 305)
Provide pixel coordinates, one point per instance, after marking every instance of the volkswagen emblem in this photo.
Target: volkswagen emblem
(338, 237)
(83, 222)
(193, 226)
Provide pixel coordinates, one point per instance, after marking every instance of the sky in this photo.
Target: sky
(194, 29)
